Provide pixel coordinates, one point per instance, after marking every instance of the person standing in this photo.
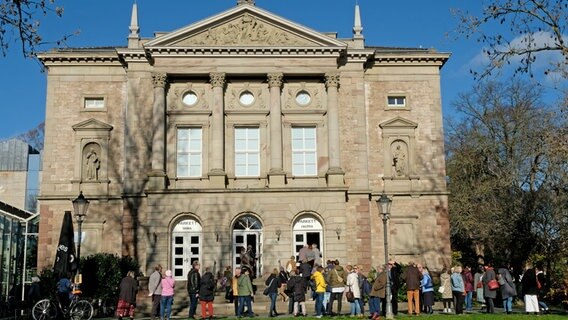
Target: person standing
(378, 293)
(507, 287)
(458, 289)
(530, 290)
(207, 294)
(127, 296)
(337, 281)
(228, 276)
(468, 282)
(298, 286)
(320, 286)
(412, 278)
(235, 289)
(478, 284)
(244, 288)
(447, 295)
(272, 284)
(489, 294)
(317, 254)
(168, 285)
(393, 269)
(427, 291)
(542, 285)
(353, 286)
(193, 286)
(155, 289)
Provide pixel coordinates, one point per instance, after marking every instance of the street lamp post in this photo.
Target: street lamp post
(384, 204)
(80, 206)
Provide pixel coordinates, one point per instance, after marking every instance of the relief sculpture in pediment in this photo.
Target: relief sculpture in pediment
(246, 30)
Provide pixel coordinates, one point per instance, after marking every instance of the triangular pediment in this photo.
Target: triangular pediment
(245, 26)
(92, 124)
(398, 122)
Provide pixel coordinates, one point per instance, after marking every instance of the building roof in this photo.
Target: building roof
(9, 210)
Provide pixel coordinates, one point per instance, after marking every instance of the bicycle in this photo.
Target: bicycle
(78, 309)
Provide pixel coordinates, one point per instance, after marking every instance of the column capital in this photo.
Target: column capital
(332, 79)
(217, 79)
(159, 79)
(275, 79)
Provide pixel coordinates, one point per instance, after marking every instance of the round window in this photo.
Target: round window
(303, 98)
(189, 98)
(246, 98)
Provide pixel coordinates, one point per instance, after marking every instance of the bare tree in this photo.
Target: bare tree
(20, 22)
(34, 137)
(508, 173)
(532, 27)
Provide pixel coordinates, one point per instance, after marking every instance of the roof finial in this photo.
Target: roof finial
(358, 37)
(241, 2)
(134, 36)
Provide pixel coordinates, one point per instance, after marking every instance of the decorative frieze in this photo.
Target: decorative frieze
(245, 30)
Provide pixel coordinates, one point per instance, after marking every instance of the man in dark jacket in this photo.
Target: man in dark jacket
(393, 269)
(412, 277)
(193, 285)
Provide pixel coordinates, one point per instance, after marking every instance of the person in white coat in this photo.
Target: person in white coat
(353, 286)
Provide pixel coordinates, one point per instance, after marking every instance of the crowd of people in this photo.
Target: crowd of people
(330, 284)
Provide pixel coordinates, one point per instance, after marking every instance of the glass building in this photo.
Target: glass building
(19, 230)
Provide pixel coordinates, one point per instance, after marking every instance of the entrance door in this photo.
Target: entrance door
(307, 231)
(186, 247)
(247, 235)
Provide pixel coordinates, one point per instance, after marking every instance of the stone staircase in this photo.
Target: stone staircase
(180, 306)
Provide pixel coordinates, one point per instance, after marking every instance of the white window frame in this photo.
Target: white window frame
(94, 103)
(400, 101)
(250, 151)
(190, 153)
(303, 152)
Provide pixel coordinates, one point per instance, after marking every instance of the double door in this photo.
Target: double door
(186, 248)
(248, 240)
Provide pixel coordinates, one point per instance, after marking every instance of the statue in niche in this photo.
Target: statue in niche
(92, 165)
(399, 160)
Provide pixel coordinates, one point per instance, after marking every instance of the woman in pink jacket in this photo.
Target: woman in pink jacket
(168, 285)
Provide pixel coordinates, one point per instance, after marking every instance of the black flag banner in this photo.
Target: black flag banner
(65, 254)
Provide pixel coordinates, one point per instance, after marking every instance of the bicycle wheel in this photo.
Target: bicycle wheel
(82, 310)
(44, 310)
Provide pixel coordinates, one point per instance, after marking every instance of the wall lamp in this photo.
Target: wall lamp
(338, 232)
(278, 234)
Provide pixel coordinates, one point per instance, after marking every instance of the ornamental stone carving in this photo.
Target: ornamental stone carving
(245, 30)
(159, 79)
(217, 79)
(275, 79)
(241, 2)
(332, 80)
(399, 158)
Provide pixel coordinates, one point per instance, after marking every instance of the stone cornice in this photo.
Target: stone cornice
(406, 58)
(244, 51)
(76, 57)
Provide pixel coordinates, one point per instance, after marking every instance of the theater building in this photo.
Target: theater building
(246, 129)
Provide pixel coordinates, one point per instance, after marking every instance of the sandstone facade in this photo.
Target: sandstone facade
(246, 129)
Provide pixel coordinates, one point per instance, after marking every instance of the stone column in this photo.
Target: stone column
(334, 172)
(276, 174)
(157, 177)
(217, 175)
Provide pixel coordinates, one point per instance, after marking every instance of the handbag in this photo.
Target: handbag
(349, 295)
(441, 289)
(493, 284)
(339, 278)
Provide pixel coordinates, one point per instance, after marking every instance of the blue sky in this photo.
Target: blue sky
(408, 23)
